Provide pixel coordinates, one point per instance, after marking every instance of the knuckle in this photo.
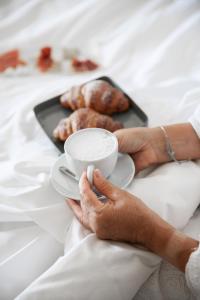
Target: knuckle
(106, 187)
(100, 233)
(96, 223)
(83, 190)
(99, 225)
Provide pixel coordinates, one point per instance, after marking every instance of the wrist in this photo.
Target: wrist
(158, 144)
(183, 141)
(153, 231)
(159, 233)
(170, 244)
(179, 249)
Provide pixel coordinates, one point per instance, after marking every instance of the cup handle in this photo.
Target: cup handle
(90, 170)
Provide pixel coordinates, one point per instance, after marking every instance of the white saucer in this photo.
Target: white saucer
(122, 175)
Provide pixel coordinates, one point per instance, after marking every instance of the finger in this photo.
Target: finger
(140, 161)
(127, 140)
(121, 134)
(131, 140)
(88, 196)
(137, 163)
(104, 186)
(75, 207)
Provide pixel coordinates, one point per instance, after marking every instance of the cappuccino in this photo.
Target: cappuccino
(90, 145)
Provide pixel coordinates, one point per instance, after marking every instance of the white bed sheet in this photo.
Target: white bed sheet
(151, 48)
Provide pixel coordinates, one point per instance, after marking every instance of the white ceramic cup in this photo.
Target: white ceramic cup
(105, 164)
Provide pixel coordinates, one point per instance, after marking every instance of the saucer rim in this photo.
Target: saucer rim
(60, 190)
(57, 187)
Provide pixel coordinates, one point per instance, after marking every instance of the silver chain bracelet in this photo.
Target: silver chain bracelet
(169, 149)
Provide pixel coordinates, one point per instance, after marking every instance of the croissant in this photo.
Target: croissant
(98, 95)
(84, 118)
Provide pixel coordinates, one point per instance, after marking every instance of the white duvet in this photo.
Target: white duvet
(151, 48)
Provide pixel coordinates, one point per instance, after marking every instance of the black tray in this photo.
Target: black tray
(50, 112)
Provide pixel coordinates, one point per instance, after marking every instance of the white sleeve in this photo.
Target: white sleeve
(195, 121)
(192, 273)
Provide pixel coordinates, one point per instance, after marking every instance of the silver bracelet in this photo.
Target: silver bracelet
(169, 148)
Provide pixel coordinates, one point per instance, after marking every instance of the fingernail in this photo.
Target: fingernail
(83, 174)
(97, 173)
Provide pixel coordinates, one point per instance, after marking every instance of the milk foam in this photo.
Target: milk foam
(91, 145)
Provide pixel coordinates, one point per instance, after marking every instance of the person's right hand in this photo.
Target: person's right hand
(145, 145)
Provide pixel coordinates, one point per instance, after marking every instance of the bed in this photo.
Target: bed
(151, 49)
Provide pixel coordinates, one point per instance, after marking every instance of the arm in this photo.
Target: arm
(165, 241)
(169, 243)
(121, 217)
(184, 142)
(126, 218)
(147, 146)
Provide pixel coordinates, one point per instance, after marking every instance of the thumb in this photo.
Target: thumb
(104, 186)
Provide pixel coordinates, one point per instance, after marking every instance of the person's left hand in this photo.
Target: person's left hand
(123, 217)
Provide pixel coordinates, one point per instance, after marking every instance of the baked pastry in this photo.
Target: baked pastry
(10, 59)
(84, 118)
(98, 95)
(79, 65)
(45, 61)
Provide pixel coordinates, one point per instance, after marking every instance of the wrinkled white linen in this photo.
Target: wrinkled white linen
(193, 273)
(193, 265)
(195, 121)
(167, 282)
(120, 269)
(149, 56)
(166, 277)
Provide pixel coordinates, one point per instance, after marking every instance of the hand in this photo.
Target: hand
(145, 145)
(126, 218)
(123, 217)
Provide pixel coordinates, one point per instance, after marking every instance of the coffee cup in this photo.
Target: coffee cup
(89, 149)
